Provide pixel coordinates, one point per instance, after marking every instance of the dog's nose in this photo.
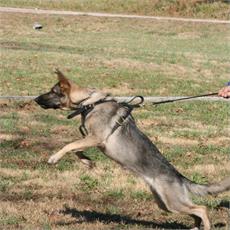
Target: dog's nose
(39, 100)
(36, 100)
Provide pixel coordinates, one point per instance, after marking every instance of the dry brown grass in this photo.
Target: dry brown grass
(35, 195)
(108, 54)
(192, 8)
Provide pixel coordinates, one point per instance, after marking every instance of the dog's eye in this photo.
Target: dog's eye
(57, 92)
(53, 90)
(60, 94)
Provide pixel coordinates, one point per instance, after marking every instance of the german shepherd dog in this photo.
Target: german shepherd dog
(111, 127)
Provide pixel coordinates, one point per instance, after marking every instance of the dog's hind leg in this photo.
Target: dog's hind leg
(184, 205)
(79, 146)
(85, 160)
(198, 213)
(174, 197)
(197, 221)
(180, 202)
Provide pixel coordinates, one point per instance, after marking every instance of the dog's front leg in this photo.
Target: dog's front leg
(80, 145)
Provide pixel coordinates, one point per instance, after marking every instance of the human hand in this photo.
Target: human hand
(225, 92)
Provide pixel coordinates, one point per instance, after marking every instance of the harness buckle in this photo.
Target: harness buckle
(120, 120)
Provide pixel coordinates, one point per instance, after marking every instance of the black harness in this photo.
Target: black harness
(86, 109)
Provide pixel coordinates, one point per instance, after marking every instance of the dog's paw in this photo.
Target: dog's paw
(89, 164)
(53, 159)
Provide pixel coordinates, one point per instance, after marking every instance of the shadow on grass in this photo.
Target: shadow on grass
(106, 218)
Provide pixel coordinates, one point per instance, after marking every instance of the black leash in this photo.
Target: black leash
(84, 110)
(184, 98)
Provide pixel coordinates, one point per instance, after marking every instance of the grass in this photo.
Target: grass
(195, 8)
(88, 183)
(10, 221)
(106, 189)
(124, 57)
(114, 55)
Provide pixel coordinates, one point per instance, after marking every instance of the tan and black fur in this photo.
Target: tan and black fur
(129, 147)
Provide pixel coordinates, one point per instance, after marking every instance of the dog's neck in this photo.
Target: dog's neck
(84, 111)
(86, 97)
(84, 101)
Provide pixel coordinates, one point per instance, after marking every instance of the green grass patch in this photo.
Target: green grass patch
(212, 203)
(88, 183)
(10, 220)
(115, 194)
(141, 195)
(65, 164)
(188, 59)
(4, 185)
(199, 179)
(96, 155)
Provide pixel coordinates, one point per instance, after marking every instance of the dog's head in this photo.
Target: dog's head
(67, 95)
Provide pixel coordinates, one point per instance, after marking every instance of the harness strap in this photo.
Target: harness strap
(84, 110)
(83, 130)
(129, 108)
(79, 111)
(120, 121)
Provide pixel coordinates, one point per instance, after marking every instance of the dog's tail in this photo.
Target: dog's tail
(199, 189)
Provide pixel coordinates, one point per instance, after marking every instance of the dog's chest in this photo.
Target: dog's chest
(119, 149)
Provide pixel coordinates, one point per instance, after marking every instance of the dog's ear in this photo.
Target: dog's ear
(63, 81)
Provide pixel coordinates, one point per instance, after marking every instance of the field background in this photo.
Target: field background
(124, 57)
(192, 8)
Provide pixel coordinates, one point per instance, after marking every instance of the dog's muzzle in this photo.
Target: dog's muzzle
(48, 101)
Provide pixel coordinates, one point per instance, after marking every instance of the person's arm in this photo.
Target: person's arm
(225, 91)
